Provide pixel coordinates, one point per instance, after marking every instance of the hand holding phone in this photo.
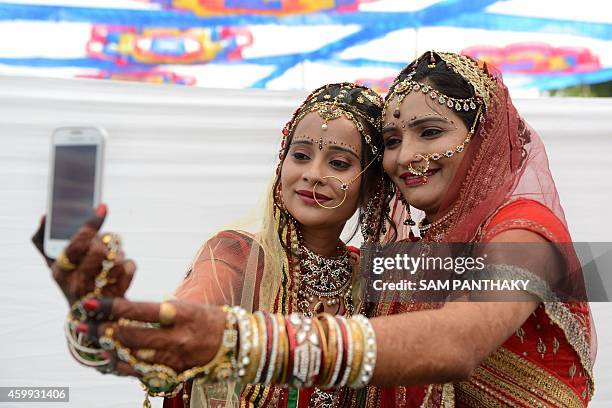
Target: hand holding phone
(71, 224)
(75, 184)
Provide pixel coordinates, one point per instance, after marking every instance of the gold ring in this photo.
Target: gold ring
(111, 240)
(343, 187)
(167, 313)
(421, 171)
(64, 263)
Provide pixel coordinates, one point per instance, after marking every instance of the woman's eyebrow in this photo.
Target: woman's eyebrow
(389, 127)
(344, 149)
(419, 121)
(309, 142)
(302, 141)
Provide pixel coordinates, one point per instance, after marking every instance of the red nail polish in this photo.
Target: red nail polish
(91, 305)
(101, 210)
(82, 328)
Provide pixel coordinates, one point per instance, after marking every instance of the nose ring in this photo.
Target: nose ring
(420, 171)
(343, 187)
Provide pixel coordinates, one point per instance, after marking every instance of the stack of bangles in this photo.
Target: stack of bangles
(81, 346)
(327, 351)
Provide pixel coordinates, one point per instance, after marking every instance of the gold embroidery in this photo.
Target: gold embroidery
(541, 347)
(512, 371)
(560, 314)
(520, 333)
(427, 396)
(474, 394)
(448, 395)
(500, 388)
(556, 345)
(372, 399)
(516, 223)
(572, 370)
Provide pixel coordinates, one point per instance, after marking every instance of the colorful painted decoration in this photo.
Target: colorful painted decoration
(265, 7)
(153, 46)
(536, 58)
(153, 76)
(288, 44)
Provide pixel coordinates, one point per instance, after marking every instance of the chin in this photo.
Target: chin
(419, 200)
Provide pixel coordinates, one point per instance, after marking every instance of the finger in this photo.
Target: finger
(124, 369)
(140, 311)
(144, 337)
(117, 367)
(124, 279)
(117, 281)
(166, 358)
(99, 309)
(80, 242)
(38, 240)
(81, 281)
(91, 264)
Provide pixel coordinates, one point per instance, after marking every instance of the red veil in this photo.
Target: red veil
(504, 182)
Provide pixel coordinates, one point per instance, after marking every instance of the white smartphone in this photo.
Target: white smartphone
(75, 183)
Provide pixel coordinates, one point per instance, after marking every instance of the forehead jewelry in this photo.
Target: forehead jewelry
(420, 171)
(343, 186)
(330, 106)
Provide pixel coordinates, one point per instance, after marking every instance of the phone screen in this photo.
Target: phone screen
(73, 189)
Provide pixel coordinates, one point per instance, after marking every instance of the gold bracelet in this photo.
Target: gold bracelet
(263, 341)
(357, 351)
(324, 350)
(332, 349)
(366, 369)
(255, 354)
(279, 369)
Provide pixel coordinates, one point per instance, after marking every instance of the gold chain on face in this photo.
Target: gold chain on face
(343, 186)
(449, 153)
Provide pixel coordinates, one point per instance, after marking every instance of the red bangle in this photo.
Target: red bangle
(264, 371)
(291, 337)
(344, 350)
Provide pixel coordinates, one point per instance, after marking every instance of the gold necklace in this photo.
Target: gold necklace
(325, 280)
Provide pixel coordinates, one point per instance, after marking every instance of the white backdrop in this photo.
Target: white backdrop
(180, 163)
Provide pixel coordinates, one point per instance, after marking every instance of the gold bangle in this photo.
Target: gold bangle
(332, 349)
(357, 351)
(64, 263)
(319, 326)
(281, 354)
(255, 354)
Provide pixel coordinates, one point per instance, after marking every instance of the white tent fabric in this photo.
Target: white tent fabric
(180, 163)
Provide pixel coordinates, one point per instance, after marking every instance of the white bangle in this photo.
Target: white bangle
(366, 371)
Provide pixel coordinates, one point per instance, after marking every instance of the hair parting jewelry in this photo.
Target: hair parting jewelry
(480, 80)
(335, 100)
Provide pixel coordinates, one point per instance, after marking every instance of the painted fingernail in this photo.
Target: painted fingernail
(91, 305)
(82, 328)
(101, 210)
